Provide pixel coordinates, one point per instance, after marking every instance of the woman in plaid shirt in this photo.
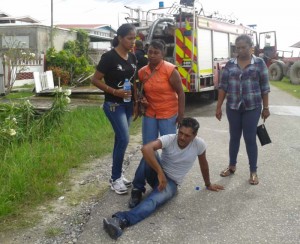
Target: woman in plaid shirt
(245, 84)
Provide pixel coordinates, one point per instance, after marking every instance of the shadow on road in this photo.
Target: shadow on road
(199, 105)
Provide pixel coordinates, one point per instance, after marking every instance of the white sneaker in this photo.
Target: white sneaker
(118, 186)
(126, 182)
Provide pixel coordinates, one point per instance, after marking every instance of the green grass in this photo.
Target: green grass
(53, 232)
(288, 87)
(15, 95)
(20, 92)
(30, 172)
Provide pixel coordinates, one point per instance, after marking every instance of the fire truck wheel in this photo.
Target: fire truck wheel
(216, 95)
(295, 73)
(213, 95)
(275, 72)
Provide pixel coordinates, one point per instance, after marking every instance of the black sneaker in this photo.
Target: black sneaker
(135, 199)
(113, 227)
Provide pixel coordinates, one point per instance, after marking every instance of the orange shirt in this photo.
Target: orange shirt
(162, 98)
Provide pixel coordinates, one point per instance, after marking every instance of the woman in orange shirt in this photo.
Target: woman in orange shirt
(164, 100)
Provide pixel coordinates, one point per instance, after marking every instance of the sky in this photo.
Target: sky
(282, 17)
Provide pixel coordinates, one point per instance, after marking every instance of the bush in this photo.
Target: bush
(71, 64)
(60, 73)
(21, 122)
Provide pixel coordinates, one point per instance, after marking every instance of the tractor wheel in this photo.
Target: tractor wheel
(285, 69)
(275, 72)
(288, 72)
(295, 73)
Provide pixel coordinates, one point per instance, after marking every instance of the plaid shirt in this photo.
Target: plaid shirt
(245, 86)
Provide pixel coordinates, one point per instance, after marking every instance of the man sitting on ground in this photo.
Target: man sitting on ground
(179, 152)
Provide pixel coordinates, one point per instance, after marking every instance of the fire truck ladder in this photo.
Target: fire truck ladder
(173, 9)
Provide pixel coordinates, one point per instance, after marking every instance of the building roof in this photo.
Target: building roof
(92, 30)
(82, 26)
(8, 19)
(297, 45)
(3, 14)
(25, 19)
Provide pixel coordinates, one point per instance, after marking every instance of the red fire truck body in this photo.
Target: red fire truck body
(199, 46)
(202, 48)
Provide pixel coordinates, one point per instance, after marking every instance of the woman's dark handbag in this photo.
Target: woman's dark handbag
(140, 93)
(263, 135)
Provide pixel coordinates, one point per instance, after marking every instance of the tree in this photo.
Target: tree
(71, 64)
(15, 60)
(83, 42)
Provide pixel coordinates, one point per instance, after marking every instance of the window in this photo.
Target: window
(15, 41)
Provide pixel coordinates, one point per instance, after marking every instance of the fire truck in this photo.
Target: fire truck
(198, 45)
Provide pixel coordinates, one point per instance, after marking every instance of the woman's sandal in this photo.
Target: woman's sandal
(253, 179)
(226, 172)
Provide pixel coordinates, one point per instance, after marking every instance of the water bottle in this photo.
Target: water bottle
(127, 87)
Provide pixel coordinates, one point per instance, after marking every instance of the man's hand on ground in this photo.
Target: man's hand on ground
(215, 187)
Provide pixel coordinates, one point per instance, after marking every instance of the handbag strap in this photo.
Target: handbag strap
(141, 87)
(152, 73)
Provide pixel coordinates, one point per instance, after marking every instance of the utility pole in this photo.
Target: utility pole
(51, 32)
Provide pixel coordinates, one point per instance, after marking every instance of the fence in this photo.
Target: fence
(2, 87)
(24, 77)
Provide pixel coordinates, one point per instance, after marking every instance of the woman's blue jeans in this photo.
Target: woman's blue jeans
(151, 129)
(243, 121)
(119, 115)
(153, 201)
